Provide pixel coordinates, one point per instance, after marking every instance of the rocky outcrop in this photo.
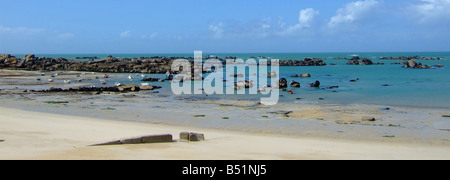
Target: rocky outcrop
(412, 64)
(150, 79)
(364, 61)
(305, 62)
(149, 65)
(157, 65)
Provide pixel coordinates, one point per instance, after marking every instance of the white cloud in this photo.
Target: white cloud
(154, 35)
(151, 36)
(66, 36)
(305, 20)
(353, 12)
(306, 17)
(431, 11)
(125, 34)
(217, 30)
(21, 30)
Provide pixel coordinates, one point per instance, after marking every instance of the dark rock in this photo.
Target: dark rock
(316, 84)
(305, 62)
(29, 57)
(354, 80)
(366, 61)
(282, 83)
(294, 75)
(150, 79)
(295, 84)
(290, 91)
(333, 87)
(446, 116)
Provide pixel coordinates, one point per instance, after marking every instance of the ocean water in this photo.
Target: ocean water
(406, 87)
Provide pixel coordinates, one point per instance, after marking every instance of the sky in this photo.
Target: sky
(218, 26)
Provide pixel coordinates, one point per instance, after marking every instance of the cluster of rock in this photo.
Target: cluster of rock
(305, 62)
(150, 79)
(364, 61)
(121, 88)
(304, 75)
(412, 58)
(412, 64)
(151, 65)
(157, 65)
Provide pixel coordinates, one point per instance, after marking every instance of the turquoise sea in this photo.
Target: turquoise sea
(388, 84)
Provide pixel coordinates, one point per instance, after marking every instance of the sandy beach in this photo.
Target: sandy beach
(33, 135)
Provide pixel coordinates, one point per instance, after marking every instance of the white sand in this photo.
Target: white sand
(32, 135)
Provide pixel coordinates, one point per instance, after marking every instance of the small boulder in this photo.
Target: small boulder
(295, 84)
(190, 136)
(316, 84)
(412, 63)
(146, 87)
(305, 75)
(282, 83)
(128, 87)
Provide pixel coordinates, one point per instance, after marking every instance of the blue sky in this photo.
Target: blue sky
(217, 26)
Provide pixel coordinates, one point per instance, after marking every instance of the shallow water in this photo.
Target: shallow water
(388, 84)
